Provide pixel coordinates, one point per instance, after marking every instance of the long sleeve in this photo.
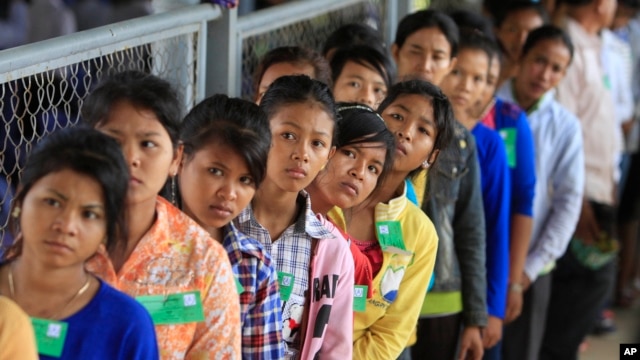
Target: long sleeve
(496, 191)
(338, 338)
(262, 327)
(567, 184)
(469, 242)
(523, 177)
(219, 335)
(388, 335)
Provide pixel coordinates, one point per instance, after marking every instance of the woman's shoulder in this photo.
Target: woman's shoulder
(10, 313)
(119, 307)
(242, 248)
(186, 232)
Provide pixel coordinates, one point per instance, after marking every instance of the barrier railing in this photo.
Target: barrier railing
(307, 23)
(42, 85)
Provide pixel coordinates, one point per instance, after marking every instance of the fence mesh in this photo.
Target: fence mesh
(34, 106)
(311, 33)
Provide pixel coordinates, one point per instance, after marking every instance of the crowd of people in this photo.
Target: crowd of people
(456, 194)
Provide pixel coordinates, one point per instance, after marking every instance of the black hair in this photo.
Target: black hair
(88, 152)
(360, 124)
(365, 56)
(442, 111)
(502, 10)
(466, 19)
(354, 35)
(472, 39)
(300, 56)
(548, 32)
(577, 2)
(296, 89)
(428, 19)
(634, 4)
(235, 123)
(141, 90)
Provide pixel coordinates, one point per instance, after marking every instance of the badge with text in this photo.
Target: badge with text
(239, 286)
(285, 281)
(180, 308)
(389, 235)
(360, 298)
(50, 336)
(509, 137)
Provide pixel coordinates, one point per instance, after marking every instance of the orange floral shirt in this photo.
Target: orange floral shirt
(176, 255)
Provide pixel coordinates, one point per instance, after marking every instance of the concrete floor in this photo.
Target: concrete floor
(607, 347)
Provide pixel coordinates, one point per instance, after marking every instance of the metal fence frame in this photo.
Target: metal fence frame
(55, 53)
(227, 34)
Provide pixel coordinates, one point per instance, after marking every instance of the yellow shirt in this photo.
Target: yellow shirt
(382, 331)
(17, 340)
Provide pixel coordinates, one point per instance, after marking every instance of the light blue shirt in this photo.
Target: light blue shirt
(560, 172)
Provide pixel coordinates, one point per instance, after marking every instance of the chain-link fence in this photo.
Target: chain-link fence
(43, 85)
(309, 32)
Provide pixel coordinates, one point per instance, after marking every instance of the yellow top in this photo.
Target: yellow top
(17, 340)
(382, 331)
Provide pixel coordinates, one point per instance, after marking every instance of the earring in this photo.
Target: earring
(16, 212)
(425, 164)
(173, 190)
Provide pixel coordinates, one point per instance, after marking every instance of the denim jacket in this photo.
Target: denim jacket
(453, 202)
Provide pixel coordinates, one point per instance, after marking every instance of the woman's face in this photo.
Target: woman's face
(63, 219)
(541, 69)
(425, 54)
(279, 70)
(515, 28)
(351, 175)
(301, 136)
(147, 148)
(411, 119)
(215, 184)
(360, 84)
(467, 81)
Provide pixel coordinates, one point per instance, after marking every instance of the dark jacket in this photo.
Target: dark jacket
(453, 202)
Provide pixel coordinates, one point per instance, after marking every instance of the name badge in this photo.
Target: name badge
(390, 235)
(50, 336)
(360, 298)
(239, 286)
(509, 136)
(180, 308)
(285, 281)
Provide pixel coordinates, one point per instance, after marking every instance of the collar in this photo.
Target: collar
(394, 208)
(542, 102)
(579, 36)
(306, 221)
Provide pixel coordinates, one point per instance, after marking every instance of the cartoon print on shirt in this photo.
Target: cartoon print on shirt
(393, 275)
(292, 317)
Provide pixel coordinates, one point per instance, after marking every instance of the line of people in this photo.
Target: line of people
(357, 209)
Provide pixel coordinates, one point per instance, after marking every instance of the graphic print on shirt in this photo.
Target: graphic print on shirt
(393, 275)
(292, 317)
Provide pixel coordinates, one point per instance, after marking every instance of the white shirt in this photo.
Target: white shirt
(560, 178)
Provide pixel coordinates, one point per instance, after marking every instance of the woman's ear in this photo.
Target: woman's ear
(433, 156)
(176, 163)
(331, 152)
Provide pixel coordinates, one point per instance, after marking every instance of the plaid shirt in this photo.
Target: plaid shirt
(260, 304)
(291, 254)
